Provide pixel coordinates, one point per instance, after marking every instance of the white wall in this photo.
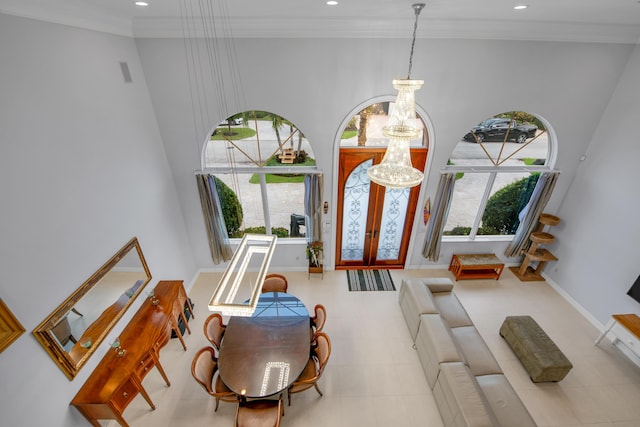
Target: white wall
(597, 242)
(82, 170)
(315, 83)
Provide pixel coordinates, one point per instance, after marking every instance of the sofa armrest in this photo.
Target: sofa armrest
(415, 300)
(504, 401)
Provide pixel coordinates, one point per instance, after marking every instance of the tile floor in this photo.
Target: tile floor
(374, 378)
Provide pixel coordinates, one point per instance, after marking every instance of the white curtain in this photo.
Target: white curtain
(214, 221)
(531, 212)
(313, 207)
(438, 218)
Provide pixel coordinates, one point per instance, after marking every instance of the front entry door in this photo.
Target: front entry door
(374, 222)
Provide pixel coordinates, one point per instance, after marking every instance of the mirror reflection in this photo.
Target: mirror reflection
(75, 329)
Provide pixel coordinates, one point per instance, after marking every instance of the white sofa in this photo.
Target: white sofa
(469, 386)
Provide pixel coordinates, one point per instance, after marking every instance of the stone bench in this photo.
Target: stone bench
(540, 356)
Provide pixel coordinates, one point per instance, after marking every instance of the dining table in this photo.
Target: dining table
(262, 355)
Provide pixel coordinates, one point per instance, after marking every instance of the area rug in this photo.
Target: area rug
(370, 280)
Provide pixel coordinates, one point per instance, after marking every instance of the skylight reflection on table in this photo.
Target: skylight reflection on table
(263, 354)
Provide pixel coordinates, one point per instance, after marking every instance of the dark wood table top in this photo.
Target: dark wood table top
(263, 354)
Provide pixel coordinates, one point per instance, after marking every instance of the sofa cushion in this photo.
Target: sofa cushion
(435, 345)
(438, 284)
(476, 352)
(415, 300)
(459, 398)
(504, 401)
(451, 310)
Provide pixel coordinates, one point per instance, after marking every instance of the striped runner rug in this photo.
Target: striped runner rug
(370, 280)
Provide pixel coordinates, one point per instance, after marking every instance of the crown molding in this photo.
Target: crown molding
(377, 28)
(172, 27)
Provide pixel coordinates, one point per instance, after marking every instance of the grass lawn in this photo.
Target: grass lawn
(236, 133)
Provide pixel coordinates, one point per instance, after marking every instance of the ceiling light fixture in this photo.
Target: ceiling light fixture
(332, 2)
(520, 7)
(223, 300)
(395, 170)
(142, 3)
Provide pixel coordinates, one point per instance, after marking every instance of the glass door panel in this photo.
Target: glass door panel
(355, 212)
(394, 213)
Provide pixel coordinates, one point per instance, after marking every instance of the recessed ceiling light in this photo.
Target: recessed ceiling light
(142, 3)
(520, 7)
(332, 2)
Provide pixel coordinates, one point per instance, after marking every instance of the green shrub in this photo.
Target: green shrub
(465, 231)
(276, 231)
(231, 207)
(458, 231)
(349, 134)
(501, 214)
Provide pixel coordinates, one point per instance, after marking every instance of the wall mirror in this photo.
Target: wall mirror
(75, 329)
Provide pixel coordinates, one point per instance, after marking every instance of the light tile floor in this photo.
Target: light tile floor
(374, 378)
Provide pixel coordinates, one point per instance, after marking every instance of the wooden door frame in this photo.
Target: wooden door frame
(419, 157)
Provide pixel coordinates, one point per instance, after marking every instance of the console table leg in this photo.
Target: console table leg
(605, 331)
(174, 324)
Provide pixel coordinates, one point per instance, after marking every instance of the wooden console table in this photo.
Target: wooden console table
(117, 380)
(629, 335)
(476, 266)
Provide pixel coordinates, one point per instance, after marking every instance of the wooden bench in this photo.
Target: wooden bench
(288, 156)
(540, 356)
(476, 266)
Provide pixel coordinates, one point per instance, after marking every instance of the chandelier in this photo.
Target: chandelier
(395, 170)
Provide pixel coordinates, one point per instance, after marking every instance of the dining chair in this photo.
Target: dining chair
(214, 328)
(204, 368)
(320, 316)
(259, 413)
(314, 368)
(317, 321)
(274, 283)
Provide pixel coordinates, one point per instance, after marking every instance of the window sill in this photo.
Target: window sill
(467, 239)
(281, 240)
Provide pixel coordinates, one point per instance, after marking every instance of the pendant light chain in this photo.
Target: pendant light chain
(417, 8)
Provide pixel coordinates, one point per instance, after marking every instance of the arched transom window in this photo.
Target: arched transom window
(497, 164)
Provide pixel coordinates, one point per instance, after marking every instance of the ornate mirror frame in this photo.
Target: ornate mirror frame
(70, 361)
(10, 327)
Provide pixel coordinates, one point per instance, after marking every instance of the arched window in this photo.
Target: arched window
(497, 164)
(261, 160)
